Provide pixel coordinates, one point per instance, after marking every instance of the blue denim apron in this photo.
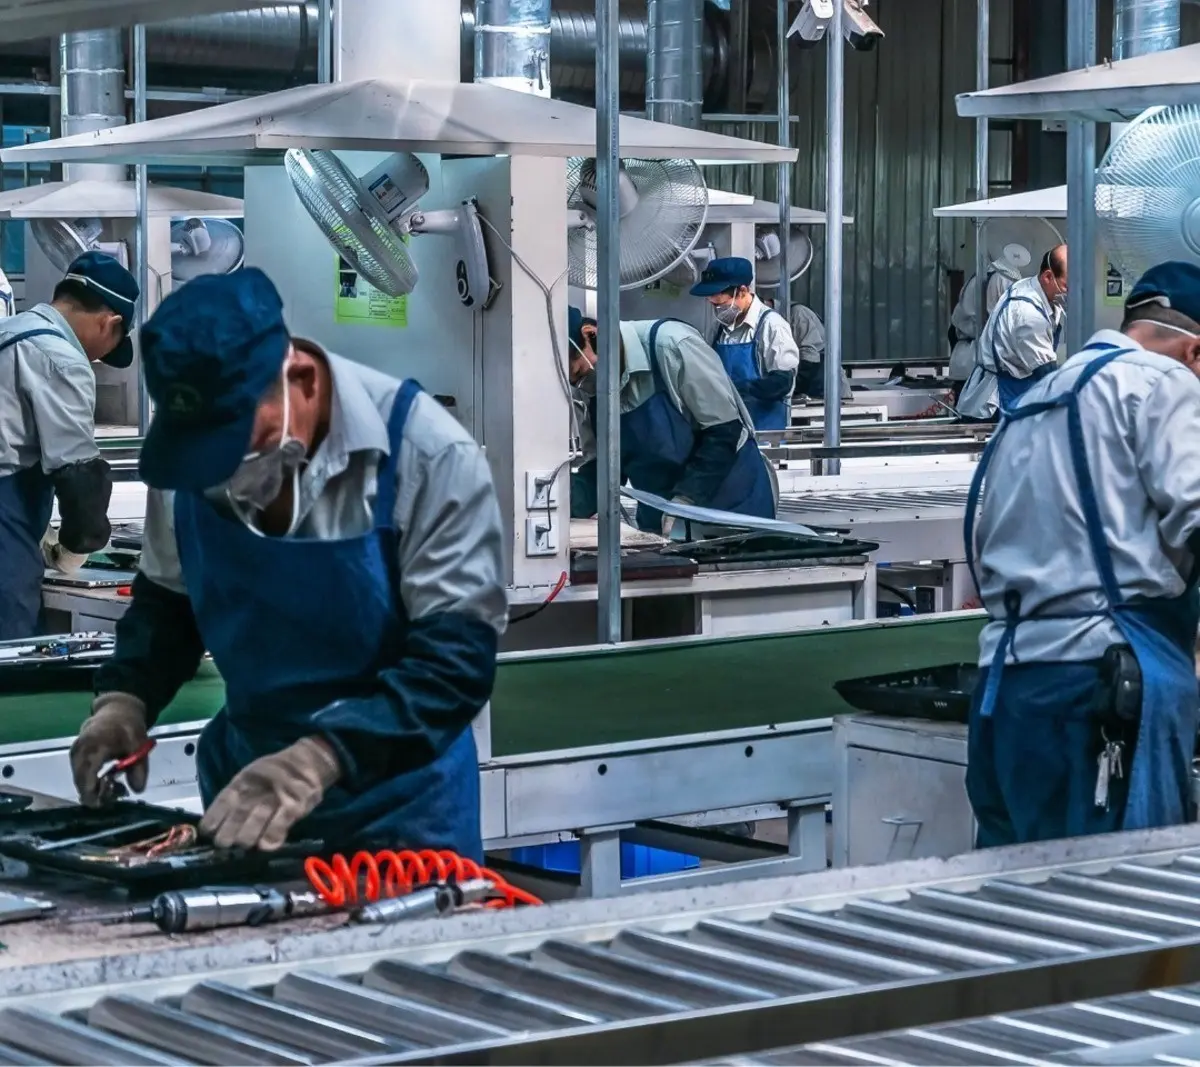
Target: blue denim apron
(740, 360)
(1013, 388)
(657, 440)
(294, 624)
(26, 504)
(1162, 634)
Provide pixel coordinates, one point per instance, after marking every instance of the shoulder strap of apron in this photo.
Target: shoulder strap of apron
(16, 340)
(385, 490)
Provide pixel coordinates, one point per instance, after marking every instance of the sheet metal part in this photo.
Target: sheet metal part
(633, 974)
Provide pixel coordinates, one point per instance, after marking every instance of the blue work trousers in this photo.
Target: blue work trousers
(1032, 764)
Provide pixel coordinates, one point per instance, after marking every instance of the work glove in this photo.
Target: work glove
(58, 558)
(115, 729)
(267, 798)
(668, 521)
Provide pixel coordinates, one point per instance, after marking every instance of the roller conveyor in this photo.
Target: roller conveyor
(1003, 921)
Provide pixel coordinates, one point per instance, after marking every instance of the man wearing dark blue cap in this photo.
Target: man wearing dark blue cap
(753, 341)
(685, 434)
(48, 432)
(1085, 555)
(331, 536)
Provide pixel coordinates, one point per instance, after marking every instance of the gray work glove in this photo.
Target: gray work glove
(269, 796)
(58, 558)
(115, 729)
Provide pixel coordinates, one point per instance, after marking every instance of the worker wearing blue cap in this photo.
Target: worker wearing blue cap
(685, 434)
(331, 536)
(48, 430)
(754, 342)
(1085, 555)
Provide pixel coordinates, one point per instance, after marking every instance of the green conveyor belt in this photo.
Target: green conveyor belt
(604, 696)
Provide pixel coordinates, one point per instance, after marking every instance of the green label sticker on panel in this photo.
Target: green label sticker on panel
(357, 302)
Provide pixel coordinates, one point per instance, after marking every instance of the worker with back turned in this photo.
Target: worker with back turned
(331, 536)
(685, 434)
(1019, 344)
(998, 279)
(48, 430)
(754, 342)
(1085, 555)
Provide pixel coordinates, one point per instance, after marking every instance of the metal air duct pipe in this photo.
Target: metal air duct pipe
(512, 44)
(92, 82)
(674, 71)
(1144, 26)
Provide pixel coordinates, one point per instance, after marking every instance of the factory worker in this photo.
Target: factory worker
(48, 431)
(7, 300)
(331, 536)
(1020, 341)
(999, 278)
(754, 343)
(1085, 557)
(685, 433)
(809, 332)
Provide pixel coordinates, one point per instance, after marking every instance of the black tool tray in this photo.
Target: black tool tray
(23, 835)
(940, 693)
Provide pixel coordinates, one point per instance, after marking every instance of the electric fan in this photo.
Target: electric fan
(205, 246)
(1148, 191)
(1019, 243)
(367, 220)
(62, 241)
(663, 206)
(767, 250)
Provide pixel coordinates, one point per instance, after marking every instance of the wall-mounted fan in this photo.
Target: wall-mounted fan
(663, 207)
(205, 246)
(1148, 191)
(1019, 243)
(63, 240)
(368, 219)
(768, 251)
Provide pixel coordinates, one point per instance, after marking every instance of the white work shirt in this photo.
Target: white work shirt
(1019, 338)
(47, 395)
(1139, 416)
(7, 300)
(776, 349)
(808, 331)
(451, 544)
(1001, 278)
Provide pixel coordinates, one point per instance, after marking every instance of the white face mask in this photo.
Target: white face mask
(727, 314)
(259, 478)
(1175, 329)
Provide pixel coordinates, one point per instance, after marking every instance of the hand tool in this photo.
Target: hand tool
(118, 767)
(188, 910)
(431, 901)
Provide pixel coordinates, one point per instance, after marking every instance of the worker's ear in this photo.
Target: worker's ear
(1191, 355)
(589, 337)
(302, 373)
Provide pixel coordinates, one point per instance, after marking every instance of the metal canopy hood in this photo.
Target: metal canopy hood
(738, 207)
(23, 19)
(1111, 92)
(374, 115)
(1036, 203)
(112, 200)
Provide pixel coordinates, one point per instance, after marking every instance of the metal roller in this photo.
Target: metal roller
(66, 1041)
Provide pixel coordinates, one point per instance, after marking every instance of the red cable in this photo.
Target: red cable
(394, 874)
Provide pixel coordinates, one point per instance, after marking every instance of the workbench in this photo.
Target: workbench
(592, 742)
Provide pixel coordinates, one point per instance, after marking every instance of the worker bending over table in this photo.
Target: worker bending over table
(754, 342)
(331, 535)
(1019, 344)
(686, 436)
(48, 430)
(1085, 555)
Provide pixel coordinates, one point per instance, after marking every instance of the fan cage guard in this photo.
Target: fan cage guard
(664, 226)
(335, 200)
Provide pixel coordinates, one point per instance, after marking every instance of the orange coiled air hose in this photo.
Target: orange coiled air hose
(376, 875)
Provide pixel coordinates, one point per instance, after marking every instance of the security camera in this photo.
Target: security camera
(858, 27)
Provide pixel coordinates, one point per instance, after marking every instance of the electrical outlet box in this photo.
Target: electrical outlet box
(541, 535)
(541, 490)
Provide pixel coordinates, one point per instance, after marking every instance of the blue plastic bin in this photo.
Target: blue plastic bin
(637, 861)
